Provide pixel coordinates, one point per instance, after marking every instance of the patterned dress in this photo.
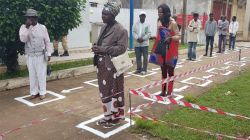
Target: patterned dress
(111, 87)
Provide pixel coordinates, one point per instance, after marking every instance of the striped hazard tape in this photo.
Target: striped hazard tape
(217, 135)
(167, 80)
(185, 104)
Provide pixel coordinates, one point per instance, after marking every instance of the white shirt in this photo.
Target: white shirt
(36, 39)
(233, 27)
(193, 33)
(141, 30)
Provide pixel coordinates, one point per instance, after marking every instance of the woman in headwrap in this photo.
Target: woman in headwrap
(166, 46)
(112, 41)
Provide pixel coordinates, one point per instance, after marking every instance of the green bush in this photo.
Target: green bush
(59, 16)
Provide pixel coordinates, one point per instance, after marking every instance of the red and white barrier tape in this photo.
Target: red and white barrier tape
(185, 104)
(219, 136)
(169, 79)
(142, 106)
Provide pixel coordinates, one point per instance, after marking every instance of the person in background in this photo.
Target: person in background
(64, 45)
(166, 46)
(222, 29)
(112, 42)
(175, 17)
(141, 34)
(210, 31)
(192, 38)
(233, 29)
(37, 42)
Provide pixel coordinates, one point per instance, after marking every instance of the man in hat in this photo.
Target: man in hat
(193, 32)
(37, 51)
(141, 33)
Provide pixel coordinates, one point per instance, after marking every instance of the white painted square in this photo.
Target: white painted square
(222, 71)
(237, 64)
(245, 59)
(206, 82)
(177, 97)
(84, 126)
(22, 99)
(90, 82)
(149, 73)
(181, 89)
(178, 66)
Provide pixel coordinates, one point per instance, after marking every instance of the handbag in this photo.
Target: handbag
(122, 63)
(49, 70)
(153, 59)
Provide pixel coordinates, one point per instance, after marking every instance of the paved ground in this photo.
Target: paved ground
(57, 120)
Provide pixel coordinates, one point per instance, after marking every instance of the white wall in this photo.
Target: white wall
(79, 37)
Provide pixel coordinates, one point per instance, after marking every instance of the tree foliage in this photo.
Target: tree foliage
(59, 16)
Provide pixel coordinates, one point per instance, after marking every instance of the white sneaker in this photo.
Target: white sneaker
(143, 73)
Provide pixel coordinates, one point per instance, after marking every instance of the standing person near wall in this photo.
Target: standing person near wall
(112, 42)
(233, 29)
(192, 38)
(64, 45)
(166, 46)
(222, 29)
(175, 17)
(141, 33)
(37, 44)
(210, 31)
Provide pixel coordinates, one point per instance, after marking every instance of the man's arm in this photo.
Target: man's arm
(24, 34)
(135, 34)
(47, 42)
(147, 33)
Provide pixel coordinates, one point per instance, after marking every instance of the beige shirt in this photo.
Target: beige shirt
(193, 30)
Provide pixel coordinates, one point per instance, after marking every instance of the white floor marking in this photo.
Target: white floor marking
(95, 80)
(245, 59)
(206, 82)
(84, 126)
(156, 69)
(21, 99)
(178, 97)
(237, 64)
(223, 71)
(225, 68)
(207, 77)
(181, 88)
(149, 73)
(69, 90)
(178, 66)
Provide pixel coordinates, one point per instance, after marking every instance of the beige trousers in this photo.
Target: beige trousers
(64, 43)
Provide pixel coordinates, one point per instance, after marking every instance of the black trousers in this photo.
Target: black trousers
(209, 41)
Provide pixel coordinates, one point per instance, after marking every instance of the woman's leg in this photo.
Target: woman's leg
(170, 71)
(164, 76)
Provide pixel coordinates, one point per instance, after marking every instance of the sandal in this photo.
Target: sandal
(108, 125)
(102, 122)
(33, 96)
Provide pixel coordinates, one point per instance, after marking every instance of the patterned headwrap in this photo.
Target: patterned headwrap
(112, 7)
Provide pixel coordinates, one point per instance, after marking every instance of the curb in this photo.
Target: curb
(57, 75)
(61, 74)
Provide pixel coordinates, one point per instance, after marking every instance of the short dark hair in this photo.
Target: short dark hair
(211, 14)
(195, 14)
(235, 17)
